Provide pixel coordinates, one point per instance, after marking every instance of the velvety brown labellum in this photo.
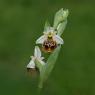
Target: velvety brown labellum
(49, 45)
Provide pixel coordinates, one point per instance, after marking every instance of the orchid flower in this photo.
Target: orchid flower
(37, 56)
(48, 34)
(51, 42)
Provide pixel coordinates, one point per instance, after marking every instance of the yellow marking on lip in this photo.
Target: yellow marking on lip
(49, 35)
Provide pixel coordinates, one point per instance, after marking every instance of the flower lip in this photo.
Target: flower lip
(49, 45)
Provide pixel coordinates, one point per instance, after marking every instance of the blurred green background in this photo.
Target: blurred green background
(22, 22)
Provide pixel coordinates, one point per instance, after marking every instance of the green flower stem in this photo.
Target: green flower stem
(47, 68)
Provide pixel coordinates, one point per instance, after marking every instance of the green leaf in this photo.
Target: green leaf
(46, 69)
(61, 27)
(60, 16)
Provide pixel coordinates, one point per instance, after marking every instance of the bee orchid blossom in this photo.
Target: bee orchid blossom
(49, 39)
(37, 56)
(51, 42)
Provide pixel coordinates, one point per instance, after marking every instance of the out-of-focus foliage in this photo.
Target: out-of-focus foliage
(22, 22)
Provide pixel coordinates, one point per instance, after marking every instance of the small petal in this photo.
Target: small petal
(41, 40)
(37, 52)
(31, 64)
(58, 39)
